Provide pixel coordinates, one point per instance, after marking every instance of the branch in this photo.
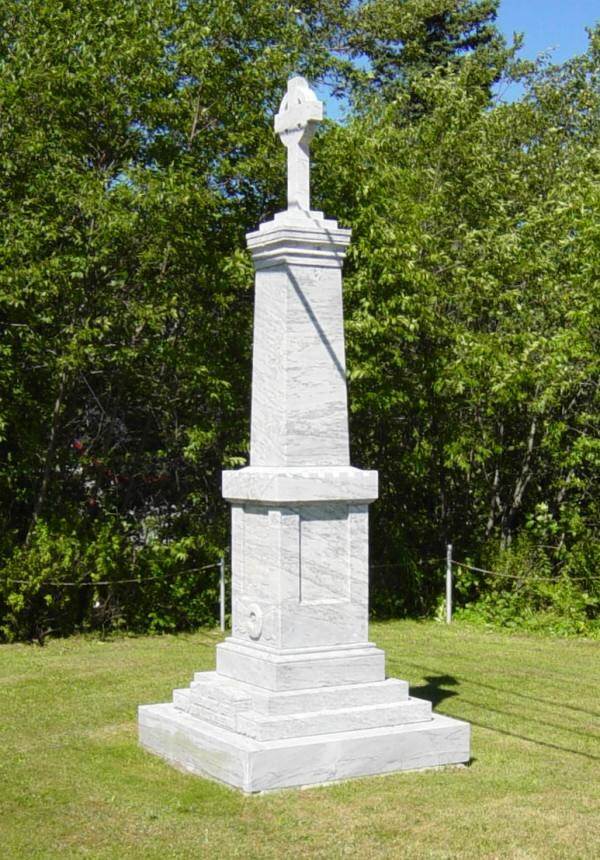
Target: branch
(521, 483)
(41, 497)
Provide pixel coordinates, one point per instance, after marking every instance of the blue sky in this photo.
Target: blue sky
(554, 26)
(549, 24)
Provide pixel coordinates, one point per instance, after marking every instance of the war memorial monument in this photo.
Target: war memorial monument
(299, 695)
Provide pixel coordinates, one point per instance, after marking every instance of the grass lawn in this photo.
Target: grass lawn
(74, 782)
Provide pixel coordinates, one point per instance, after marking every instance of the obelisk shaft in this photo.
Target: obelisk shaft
(299, 546)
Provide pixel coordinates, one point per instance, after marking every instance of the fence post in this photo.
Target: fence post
(222, 592)
(449, 583)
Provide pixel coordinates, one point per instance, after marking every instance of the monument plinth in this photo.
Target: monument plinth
(299, 695)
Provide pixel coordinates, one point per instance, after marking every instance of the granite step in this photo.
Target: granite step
(209, 687)
(238, 715)
(267, 728)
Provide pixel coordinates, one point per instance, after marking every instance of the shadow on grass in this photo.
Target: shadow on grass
(435, 689)
(509, 691)
(534, 740)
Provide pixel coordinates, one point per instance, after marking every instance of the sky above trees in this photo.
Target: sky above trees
(556, 25)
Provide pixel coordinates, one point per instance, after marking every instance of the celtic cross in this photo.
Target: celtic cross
(296, 122)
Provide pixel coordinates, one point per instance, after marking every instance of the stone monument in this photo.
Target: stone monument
(299, 695)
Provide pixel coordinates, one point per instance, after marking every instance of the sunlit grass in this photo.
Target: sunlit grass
(75, 783)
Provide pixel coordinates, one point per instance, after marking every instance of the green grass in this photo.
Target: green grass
(74, 782)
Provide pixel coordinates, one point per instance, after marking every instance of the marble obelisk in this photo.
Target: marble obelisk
(299, 695)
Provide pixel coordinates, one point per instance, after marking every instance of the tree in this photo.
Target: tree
(402, 39)
(136, 149)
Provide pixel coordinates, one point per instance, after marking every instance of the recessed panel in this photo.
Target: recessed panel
(324, 558)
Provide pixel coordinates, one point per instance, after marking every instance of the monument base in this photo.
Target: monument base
(252, 766)
(258, 740)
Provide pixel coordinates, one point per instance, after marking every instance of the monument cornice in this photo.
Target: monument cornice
(302, 239)
(297, 485)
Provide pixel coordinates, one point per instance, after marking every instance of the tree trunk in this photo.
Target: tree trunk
(49, 459)
(495, 502)
(520, 487)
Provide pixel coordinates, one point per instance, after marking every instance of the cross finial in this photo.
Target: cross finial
(296, 122)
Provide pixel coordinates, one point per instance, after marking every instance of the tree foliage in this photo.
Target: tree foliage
(136, 149)
(402, 39)
(473, 299)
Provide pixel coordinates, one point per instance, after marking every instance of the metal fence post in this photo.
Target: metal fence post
(222, 592)
(449, 583)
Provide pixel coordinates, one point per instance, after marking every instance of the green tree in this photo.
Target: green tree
(136, 149)
(402, 39)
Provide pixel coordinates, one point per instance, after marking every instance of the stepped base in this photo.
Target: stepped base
(305, 667)
(265, 715)
(253, 765)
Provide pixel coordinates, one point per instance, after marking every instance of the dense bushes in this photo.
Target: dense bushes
(112, 578)
(535, 588)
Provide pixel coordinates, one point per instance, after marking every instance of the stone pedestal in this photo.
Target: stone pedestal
(299, 695)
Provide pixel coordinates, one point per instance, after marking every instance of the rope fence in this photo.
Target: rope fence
(82, 584)
(140, 580)
(517, 576)
(452, 562)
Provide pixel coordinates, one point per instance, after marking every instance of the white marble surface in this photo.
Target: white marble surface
(276, 484)
(254, 766)
(299, 413)
(298, 239)
(326, 722)
(299, 512)
(322, 667)
(236, 695)
(277, 727)
(295, 123)
(268, 715)
(300, 575)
